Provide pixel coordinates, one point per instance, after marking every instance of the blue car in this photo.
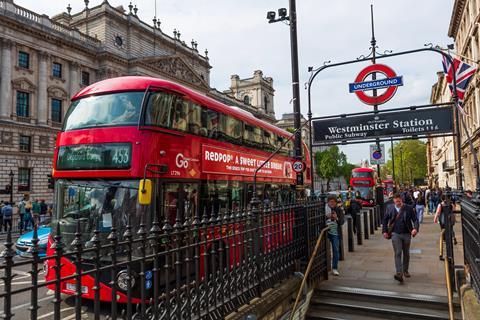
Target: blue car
(24, 243)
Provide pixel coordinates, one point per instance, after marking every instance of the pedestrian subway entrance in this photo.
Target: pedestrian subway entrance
(395, 221)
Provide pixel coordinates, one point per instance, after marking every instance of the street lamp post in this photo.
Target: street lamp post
(11, 186)
(393, 162)
(401, 163)
(292, 19)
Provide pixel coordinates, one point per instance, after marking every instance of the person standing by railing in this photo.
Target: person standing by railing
(440, 216)
(335, 219)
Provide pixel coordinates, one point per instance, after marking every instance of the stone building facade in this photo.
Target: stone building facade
(287, 123)
(464, 30)
(44, 61)
(441, 156)
(256, 91)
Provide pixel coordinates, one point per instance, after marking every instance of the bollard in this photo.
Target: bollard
(375, 218)
(381, 212)
(372, 220)
(365, 225)
(341, 246)
(359, 229)
(351, 243)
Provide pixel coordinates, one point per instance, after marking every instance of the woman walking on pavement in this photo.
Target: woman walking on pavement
(420, 207)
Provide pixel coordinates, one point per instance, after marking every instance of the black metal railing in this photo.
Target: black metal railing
(470, 212)
(201, 267)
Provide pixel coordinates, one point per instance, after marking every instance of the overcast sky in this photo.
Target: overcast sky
(240, 40)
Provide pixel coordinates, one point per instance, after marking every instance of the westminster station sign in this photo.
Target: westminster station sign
(398, 123)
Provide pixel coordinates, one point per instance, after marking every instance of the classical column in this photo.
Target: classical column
(42, 98)
(74, 81)
(5, 84)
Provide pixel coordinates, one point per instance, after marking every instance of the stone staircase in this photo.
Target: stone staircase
(334, 302)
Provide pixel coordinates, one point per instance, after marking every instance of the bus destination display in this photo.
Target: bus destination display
(95, 156)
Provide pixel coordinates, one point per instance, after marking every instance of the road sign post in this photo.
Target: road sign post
(377, 155)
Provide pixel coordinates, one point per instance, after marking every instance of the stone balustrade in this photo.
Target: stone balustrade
(8, 8)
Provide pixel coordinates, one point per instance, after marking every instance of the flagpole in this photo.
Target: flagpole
(457, 120)
(459, 55)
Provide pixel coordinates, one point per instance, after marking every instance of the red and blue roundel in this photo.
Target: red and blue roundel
(390, 82)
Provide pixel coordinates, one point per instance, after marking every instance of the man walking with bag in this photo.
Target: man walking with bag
(400, 224)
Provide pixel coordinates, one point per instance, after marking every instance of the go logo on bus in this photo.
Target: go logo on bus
(181, 161)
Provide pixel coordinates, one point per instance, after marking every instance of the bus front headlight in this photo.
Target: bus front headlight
(122, 280)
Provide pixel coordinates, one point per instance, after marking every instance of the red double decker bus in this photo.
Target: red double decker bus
(198, 155)
(363, 181)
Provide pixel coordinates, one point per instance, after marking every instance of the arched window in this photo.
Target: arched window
(246, 99)
(265, 103)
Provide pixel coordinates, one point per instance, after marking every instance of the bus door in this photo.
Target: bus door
(179, 201)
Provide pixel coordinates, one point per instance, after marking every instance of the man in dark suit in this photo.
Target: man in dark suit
(404, 225)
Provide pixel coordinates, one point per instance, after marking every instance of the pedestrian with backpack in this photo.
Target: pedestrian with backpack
(440, 216)
(7, 213)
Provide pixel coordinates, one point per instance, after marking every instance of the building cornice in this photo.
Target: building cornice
(50, 35)
(106, 9)
(456, 18)
(38, 128)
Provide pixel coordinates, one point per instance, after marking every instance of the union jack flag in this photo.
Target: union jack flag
(463, 75)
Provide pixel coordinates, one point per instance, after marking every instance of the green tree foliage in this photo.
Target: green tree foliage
(410, 161)
(347, 171)
(332, 163)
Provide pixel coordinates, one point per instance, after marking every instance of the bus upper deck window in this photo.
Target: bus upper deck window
(159, 109)
(180, 116)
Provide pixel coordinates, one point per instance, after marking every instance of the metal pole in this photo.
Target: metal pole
(373, 43)
(11, 187)
(295, 80)
(459, 143)
(401, 163)
(393, 162)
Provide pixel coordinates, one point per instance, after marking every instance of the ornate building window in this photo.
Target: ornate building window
(57, 70)
(24, 178)
(23, 104)
(85, 78)
(57, 97)
(25, 143)
(246, 100)
(23, 60)
(265, 103)
(56, 105)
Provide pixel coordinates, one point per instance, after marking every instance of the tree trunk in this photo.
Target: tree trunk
(328, 185)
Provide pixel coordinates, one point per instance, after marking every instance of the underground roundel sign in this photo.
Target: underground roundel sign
(387, 82)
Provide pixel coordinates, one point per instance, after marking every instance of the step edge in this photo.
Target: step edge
(379, 310)
(385, 294)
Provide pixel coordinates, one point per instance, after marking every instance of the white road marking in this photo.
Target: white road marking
(21, 306)
(25, 282)
(51, 313)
